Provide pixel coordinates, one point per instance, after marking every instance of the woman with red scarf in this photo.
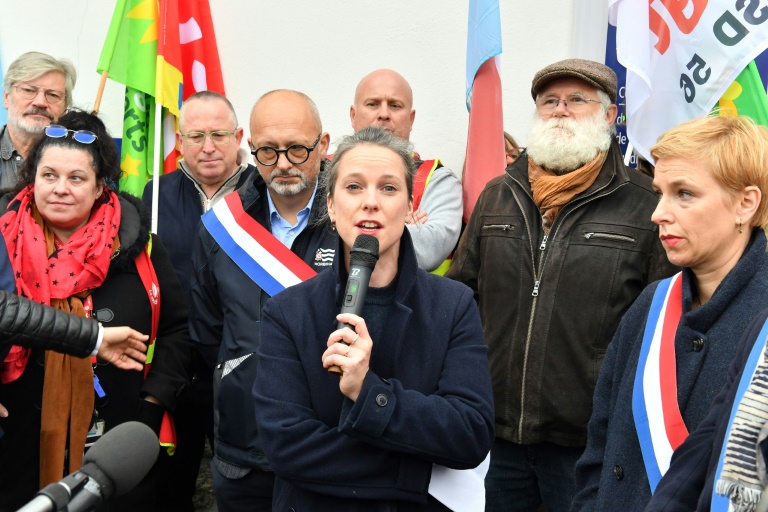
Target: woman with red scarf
(80, 247)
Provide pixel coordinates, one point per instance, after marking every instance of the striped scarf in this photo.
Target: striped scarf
(739, 479)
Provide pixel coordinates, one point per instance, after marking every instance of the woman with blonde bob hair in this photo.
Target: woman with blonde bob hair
(672, 349)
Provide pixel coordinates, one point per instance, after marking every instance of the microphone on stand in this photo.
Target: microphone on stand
(362, 259)
(114, 465)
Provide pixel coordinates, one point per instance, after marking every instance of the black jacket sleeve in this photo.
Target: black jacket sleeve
(27, 323)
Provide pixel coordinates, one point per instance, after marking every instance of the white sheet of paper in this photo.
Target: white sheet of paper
(460, 490)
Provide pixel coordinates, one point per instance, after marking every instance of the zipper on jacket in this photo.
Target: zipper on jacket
(502, 227)
(538, 275)
(610, 236)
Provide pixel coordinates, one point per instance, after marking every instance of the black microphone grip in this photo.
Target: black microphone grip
(354, 295)
(362, 260)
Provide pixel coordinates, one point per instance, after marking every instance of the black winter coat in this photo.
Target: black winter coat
(225, 322)
(120, 300)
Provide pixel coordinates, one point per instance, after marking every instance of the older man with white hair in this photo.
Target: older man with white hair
(37, 91)
(556, 250)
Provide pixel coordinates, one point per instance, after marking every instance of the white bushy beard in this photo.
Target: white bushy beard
(563, 144)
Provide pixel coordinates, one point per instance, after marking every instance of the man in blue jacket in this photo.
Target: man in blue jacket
(245, 245)
(209, 137)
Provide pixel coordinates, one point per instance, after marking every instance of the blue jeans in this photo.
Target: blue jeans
(523, 477)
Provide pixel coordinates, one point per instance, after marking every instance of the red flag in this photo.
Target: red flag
(199, 53)
(199, 65)
(485, 140)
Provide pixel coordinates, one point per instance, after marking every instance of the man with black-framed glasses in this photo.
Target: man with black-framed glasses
(37, 91)
(245, 247)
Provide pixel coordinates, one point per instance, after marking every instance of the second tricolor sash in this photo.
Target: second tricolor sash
(658, 421)
(265, 259)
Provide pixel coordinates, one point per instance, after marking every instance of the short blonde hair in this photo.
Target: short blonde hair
(735, 149)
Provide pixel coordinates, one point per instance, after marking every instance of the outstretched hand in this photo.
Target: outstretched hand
(124, 347)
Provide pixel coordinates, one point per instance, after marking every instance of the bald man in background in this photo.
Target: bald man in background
(384, 98)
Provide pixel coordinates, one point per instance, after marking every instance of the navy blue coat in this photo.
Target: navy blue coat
(690, 480)
(179, 212)
(611, 472)
(426, 399)
(225, 321)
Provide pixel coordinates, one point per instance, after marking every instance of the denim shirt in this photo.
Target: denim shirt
(10, 161)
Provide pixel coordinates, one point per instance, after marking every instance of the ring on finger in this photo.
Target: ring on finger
(354, 340)
(349, 347)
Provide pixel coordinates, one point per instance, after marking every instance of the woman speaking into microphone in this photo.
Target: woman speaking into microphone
(414, 389)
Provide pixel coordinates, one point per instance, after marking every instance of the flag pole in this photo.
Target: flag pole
(156, 164)
(100, 92)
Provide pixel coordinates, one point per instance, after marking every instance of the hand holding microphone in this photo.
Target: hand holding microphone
(362, 260)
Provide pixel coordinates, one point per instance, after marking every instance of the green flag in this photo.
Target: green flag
(129, 56)
(746, 97)
(138, 138)
(130, 48)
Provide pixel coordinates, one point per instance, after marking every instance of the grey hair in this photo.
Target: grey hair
(207, 96)
(606, 102)
(376, 136)
(32, 65)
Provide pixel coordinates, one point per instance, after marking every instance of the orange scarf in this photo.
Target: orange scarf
(551, 191)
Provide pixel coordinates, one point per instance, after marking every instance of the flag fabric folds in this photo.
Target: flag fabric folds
(746, 97)
(680, 58)
(163, 51)
(485, 138)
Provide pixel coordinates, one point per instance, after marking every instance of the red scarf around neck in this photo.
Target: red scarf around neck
(80, 265)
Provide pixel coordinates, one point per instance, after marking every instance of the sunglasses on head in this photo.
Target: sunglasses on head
(82, 136)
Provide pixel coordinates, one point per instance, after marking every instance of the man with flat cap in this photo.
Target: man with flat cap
(556, 250)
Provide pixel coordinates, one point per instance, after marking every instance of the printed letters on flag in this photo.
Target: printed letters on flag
(681, 57)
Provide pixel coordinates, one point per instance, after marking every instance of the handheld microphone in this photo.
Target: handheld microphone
(114, 465)
(362, 259)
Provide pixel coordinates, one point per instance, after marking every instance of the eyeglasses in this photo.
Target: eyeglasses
(29, 92)
(219, 137)
(82, 136)
(295, 153)
(573, 103)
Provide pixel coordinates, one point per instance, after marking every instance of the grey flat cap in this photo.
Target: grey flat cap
(594, 73)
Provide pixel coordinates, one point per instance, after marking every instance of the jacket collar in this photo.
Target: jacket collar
(753, 261)
(253, 195)
(236, 177)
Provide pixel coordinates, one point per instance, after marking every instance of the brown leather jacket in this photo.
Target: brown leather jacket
(550, 305)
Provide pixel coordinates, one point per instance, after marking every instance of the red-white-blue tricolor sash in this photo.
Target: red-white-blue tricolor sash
(265, 259)
(719, 502)
(659, 423)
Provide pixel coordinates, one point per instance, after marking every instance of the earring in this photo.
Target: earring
(333, 225)
(739, 227)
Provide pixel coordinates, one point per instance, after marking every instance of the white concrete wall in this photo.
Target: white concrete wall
(324, 48)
